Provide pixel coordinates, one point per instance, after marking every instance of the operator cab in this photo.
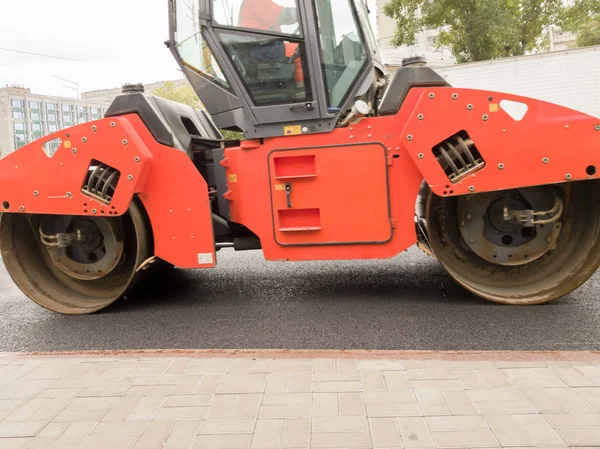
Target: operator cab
(277, 67)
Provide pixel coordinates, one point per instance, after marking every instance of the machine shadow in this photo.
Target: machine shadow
(340, 283)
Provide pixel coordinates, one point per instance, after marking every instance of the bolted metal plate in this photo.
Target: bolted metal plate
(506, 243)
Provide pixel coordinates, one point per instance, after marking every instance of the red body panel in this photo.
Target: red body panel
(173, 192)
(372, 150)
(550, 144)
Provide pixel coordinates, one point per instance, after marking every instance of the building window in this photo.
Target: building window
(34, 105)
(50, 107)
(17, 103)
(52, 127)
(18, 115)
(36, 127)
(34, 115)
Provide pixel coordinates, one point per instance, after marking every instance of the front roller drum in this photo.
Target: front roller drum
(76, 265)
(521, 246)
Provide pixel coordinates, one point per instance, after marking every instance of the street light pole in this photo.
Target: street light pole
(76, 88)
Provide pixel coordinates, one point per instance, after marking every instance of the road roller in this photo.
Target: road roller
(337, 160)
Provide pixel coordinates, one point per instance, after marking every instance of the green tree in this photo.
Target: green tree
(475, 30)
(184, 93)
(583, 18)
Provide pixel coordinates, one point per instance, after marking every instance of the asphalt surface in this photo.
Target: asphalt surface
(404, 303)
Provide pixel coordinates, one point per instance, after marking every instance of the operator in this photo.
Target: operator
(270, 16)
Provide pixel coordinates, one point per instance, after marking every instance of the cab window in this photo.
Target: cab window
(277, 16)
(343, 51)
(191, 45)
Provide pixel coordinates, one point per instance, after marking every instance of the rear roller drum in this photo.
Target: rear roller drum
(72, 264)
(521, 246)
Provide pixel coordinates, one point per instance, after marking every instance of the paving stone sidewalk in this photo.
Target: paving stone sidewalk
(177, 402)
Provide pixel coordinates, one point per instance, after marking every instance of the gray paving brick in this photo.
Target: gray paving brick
(221, 441)
(97, 441)
(182, 434)
(287, 398)
(573, 419)
(414, 364)
(25, 388)
(118, 387)
(459, 403)
(431, 374)
(210, 369)
(188, 400)
(495, 395)
(325, 365)
(50, 410)
(260, 366)
(159, 366)
(324, 425)
(506, 407)
(121, 410)
(432, 402)
(436, 423)
(125, 372)
(351, 404)
(212, 362)
(393, 409)
(147, 407)
(372, 381)
(248, 406)
(439, 384)
(471, 379)
(465, 438)
(396, 380)
(226, 426)
(279, 367)
(239, 366)
(208, 384)
(58, 393)
(495, 378)
(267, 434)
(346, 365)
(223, 406)
(73, 435)
(542, 400)
(380, 365)
(26, 410)
(325, 405)
(301, 382)
(520, 364)
(47, 436)
(382, 397)
(96, 387)
(181, 413)
(92, 403)
(581, 436)
(20, 429)
(340, 440)
(538, 430)
(186, 385)
(590, 372)
(245, 377)
(155, 435)
(278, 383)
(179, 366)
(570, 400)
(572, 377)
(589, 393)
(165, 379)
(285, 411)
(14, 443)
(384, 433)
(149, 390)
(76, 415)
(323, 387)
(121, 427)
(246, 387)
(296, 434)
(327, 376)
(507, 431)
(415, 433)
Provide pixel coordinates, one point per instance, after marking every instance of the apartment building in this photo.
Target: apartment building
(26, 117)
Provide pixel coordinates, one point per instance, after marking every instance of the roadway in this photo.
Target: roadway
(404, 303)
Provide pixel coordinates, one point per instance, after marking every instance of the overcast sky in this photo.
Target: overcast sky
(119, 41)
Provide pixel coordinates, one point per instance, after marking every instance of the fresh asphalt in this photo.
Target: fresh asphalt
(404, 303)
